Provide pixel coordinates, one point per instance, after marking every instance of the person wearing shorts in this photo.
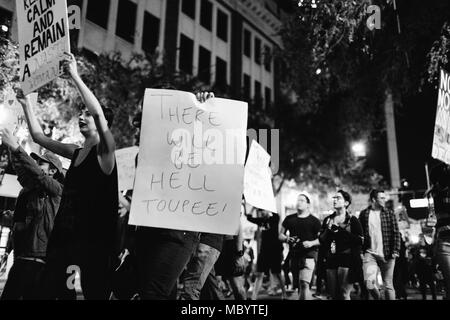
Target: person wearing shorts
(303, 241)
(271, 252)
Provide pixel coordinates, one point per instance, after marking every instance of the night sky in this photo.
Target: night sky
(415, 118)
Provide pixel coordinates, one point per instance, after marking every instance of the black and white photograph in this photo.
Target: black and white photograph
(225, 154)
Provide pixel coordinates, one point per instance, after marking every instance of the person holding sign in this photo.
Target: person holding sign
(271, 251)
(83, 236)
(163, 254)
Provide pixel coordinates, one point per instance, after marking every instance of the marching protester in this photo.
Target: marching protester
(401, 272)
(342, 238)
(422, 267)
(381, 244)
(230, 266)
(83, 235)
(163, 254)
(201, 265)
(440, 191)
(270, 256)
(303, 240)
(41, 178)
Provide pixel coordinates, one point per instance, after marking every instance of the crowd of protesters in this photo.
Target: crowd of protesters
(76, 221)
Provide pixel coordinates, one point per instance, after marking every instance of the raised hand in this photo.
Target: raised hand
(203, 96)
(70, 65)
(20, 96)
(9, 139)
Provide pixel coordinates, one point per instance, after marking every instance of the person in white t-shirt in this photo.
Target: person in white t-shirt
(381, 244)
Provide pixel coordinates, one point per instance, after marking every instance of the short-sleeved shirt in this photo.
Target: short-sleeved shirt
(212, 240)
(306, 229)
(270, 242)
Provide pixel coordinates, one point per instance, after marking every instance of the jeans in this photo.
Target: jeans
(443, 259)
(161, 260)
(211, 289)
(237, 286)
(197, 271)
(23, 280)
(370, 267)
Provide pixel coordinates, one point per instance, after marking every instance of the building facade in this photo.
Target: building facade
(228, 43)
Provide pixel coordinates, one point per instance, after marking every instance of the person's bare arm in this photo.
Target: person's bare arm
(62, 149)
(107, 146)
(282, 235)
(310, 244)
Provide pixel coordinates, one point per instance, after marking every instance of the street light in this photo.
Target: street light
(359, 149)
(313, 3)
(4, 28)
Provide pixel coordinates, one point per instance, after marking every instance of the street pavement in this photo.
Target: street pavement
(413, 294)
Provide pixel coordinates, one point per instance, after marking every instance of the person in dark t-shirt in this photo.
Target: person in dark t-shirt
(271, 252)
(303, 240)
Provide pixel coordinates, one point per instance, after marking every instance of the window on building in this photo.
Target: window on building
(188, 8)
(206, 15)
(5, 22)
(267, 58)
(126, 20)
(150, 36)
(222, 25)
(246, 87)
(268, 97)
(247, 43)
(186, 54)
(258, 97)
(204, 65)
(90, 55)
(221, 73)
(98, 12)
(257, 50)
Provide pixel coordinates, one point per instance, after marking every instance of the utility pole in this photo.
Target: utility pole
(392, 140)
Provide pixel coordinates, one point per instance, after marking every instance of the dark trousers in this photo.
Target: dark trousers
(94, 266)
(286, 269)
(161, 261)
(23, 280)
(423, 282)
(211, 289)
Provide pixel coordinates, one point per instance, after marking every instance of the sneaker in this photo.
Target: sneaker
(318, 296)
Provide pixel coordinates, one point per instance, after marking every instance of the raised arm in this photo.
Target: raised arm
(282, 235)
(26, 168)
(107, 146)
(62, 149)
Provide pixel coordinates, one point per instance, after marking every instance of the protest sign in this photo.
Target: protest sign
(126, 167)
(43, 38)
(441, 140)
(9, 186)
(11, 112)
(257, 179)
(191, 163)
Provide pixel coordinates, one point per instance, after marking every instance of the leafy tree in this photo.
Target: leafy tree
(338, 73)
